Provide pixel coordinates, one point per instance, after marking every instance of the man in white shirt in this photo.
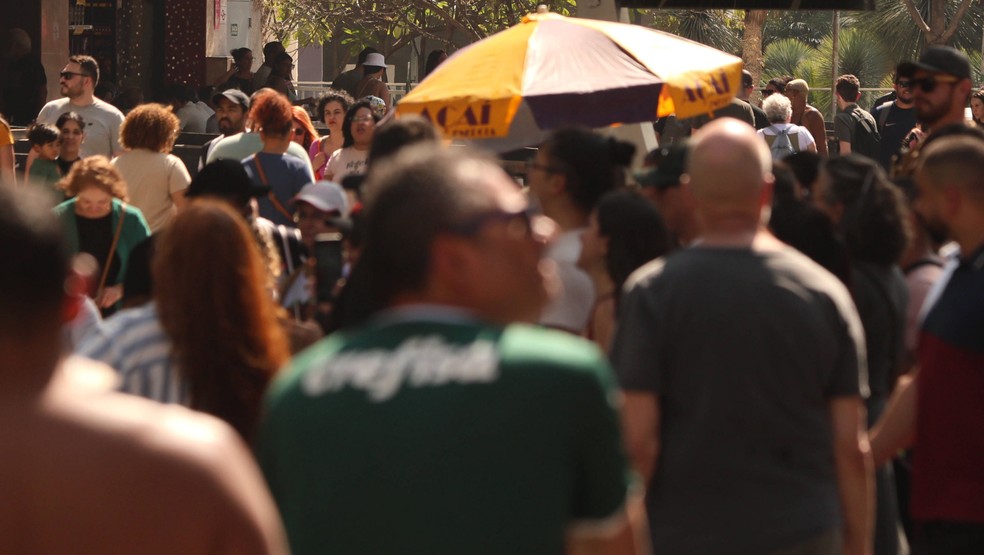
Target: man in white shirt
(78, 80)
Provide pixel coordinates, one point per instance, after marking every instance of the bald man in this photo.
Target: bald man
(944, 421)
(85, 470)
(742, 364)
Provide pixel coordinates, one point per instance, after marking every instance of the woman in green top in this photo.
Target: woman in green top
(98, 221)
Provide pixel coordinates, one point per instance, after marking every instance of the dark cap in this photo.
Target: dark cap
(233, 95)
(671, 164)
(939, 59)
(227, 179)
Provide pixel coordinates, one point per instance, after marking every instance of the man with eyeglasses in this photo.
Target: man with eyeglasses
(443, 425)
(102, 130)
(896, 119)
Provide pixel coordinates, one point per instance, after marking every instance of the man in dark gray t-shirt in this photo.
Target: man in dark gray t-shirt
(742, 363)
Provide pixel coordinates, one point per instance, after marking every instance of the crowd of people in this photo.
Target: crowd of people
(376, 342)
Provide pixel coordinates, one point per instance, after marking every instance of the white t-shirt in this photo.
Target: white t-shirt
(151, 178)
(570, 310)
(799, 136)
(347, 161)
(102, 125)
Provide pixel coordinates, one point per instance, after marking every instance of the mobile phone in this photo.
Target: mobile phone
(329, 264)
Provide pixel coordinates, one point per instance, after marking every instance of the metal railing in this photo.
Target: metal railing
(307, 89)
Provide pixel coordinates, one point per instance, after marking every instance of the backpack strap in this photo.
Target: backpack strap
(883, 114)
(273, 198)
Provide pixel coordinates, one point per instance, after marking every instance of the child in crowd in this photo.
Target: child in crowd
(45, 141)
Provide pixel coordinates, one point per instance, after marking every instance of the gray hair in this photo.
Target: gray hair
(777, 108)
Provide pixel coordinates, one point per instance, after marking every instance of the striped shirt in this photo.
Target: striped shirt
(135, 345)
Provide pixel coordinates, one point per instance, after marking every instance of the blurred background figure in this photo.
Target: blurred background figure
(7, 176)
(24, 87)
(156, 178)
(977, 107)
(98, 221)
(434, 59)
(240, 75)
(871, 216)
(572, 169)
(624, 232)
(211, 339)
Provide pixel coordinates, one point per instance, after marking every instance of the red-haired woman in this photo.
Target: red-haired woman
(211, 339)
(303, 132)
(273, 116)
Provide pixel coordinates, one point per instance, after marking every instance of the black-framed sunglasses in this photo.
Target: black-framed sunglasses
(67, 75)
(928, 84)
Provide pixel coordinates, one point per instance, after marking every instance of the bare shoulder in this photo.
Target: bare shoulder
(122, 474)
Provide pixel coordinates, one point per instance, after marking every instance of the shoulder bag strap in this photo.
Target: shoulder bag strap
(112, 251)
(273, 198)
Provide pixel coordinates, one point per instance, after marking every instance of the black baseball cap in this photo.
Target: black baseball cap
(939, 59)
(671, 164)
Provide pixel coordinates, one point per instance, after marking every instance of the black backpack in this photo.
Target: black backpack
(866, 136)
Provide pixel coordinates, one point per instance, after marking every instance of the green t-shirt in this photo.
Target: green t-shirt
(430, 435)
(45, 174)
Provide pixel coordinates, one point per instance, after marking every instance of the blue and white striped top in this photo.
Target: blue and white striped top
(134, 344)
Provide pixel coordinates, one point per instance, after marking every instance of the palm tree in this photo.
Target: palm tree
(860, 54)
(786, 57)
(892, 21)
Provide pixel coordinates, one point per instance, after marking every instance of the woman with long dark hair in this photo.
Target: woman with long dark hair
(872, 217)
(357, 129)
(240, 75)
(210, 340)
(624, 232)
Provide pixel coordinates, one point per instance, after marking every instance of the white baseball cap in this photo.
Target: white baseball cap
(325, 196)
(375, 60)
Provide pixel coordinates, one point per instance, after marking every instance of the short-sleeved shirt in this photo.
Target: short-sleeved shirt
(457, 437)
(151, 179)
(102, 125)
(743, 349)
(737, 108)
(898, 123)
(845, 125)
(347, 161)
(285, 175)
(239, 146)
(948, 461)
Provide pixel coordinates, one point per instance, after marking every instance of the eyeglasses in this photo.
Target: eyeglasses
(298, 130)
(519, 223)
(362, 119)
(904, 83)
(928, 84)
(67, 75)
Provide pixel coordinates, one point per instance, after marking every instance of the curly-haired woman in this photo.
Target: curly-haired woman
(157, 178)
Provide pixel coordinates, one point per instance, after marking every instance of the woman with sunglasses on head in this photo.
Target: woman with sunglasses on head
(331, 111)
(357, 129)
(871, 216)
